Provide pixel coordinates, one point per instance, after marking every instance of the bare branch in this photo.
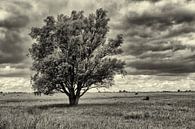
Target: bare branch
(84, 91)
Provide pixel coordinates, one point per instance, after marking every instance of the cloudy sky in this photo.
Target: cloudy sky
(159, 46)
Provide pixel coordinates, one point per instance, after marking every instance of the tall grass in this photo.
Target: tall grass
(118, 111)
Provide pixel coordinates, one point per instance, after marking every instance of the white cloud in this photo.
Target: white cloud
(153, 83)
(3, 14)
(15, 84)
(128, 82)
(7, 70)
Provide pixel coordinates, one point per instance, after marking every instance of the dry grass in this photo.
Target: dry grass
(99, 111)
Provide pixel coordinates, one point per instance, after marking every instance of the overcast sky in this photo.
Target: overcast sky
(159, 46)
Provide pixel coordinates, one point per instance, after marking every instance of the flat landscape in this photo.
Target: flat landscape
(166, 110)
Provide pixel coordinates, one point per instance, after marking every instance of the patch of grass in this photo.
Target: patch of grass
(125, 111)
(137, 115)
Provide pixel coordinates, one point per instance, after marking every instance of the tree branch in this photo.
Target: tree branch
(84, 91)
(64, 89)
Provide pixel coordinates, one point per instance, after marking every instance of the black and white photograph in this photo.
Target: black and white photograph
(97, 64)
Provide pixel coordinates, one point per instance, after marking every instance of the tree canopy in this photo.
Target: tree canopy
(72, 55)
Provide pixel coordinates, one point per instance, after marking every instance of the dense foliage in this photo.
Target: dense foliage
(71, 54)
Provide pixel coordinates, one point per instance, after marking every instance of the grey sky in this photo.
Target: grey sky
(159, 37)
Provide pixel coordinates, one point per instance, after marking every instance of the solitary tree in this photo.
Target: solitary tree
(71, 54)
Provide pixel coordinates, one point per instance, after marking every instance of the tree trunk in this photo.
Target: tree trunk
(73, 100)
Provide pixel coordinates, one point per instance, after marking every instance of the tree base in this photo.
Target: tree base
(73, 101)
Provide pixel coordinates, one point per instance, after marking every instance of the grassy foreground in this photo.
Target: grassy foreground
(99, 111)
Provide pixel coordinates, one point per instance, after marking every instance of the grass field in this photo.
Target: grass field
(99, 111)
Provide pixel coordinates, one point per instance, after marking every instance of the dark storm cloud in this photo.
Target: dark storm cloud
(164, 66)
(18, 16)
(154, 33)
(163, 57)
(15, 22)
(151, 22)
(22, 15)
(152, 30)
(12, 43)
(142, 48)
(167, 17)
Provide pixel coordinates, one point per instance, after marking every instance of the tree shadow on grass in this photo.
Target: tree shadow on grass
(39, 108)
(47, 106)
(63, 105)
(115, 97)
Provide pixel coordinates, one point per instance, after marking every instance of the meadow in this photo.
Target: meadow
(164, 110)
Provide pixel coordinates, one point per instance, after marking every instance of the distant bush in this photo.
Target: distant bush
(166, 91)
(123, 91)
(136, 93)
(178, 90)
(147, 98)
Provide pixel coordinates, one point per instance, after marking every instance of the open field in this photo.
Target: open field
(99, 111)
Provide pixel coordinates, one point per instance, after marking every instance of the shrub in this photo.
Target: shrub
(147, 98)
